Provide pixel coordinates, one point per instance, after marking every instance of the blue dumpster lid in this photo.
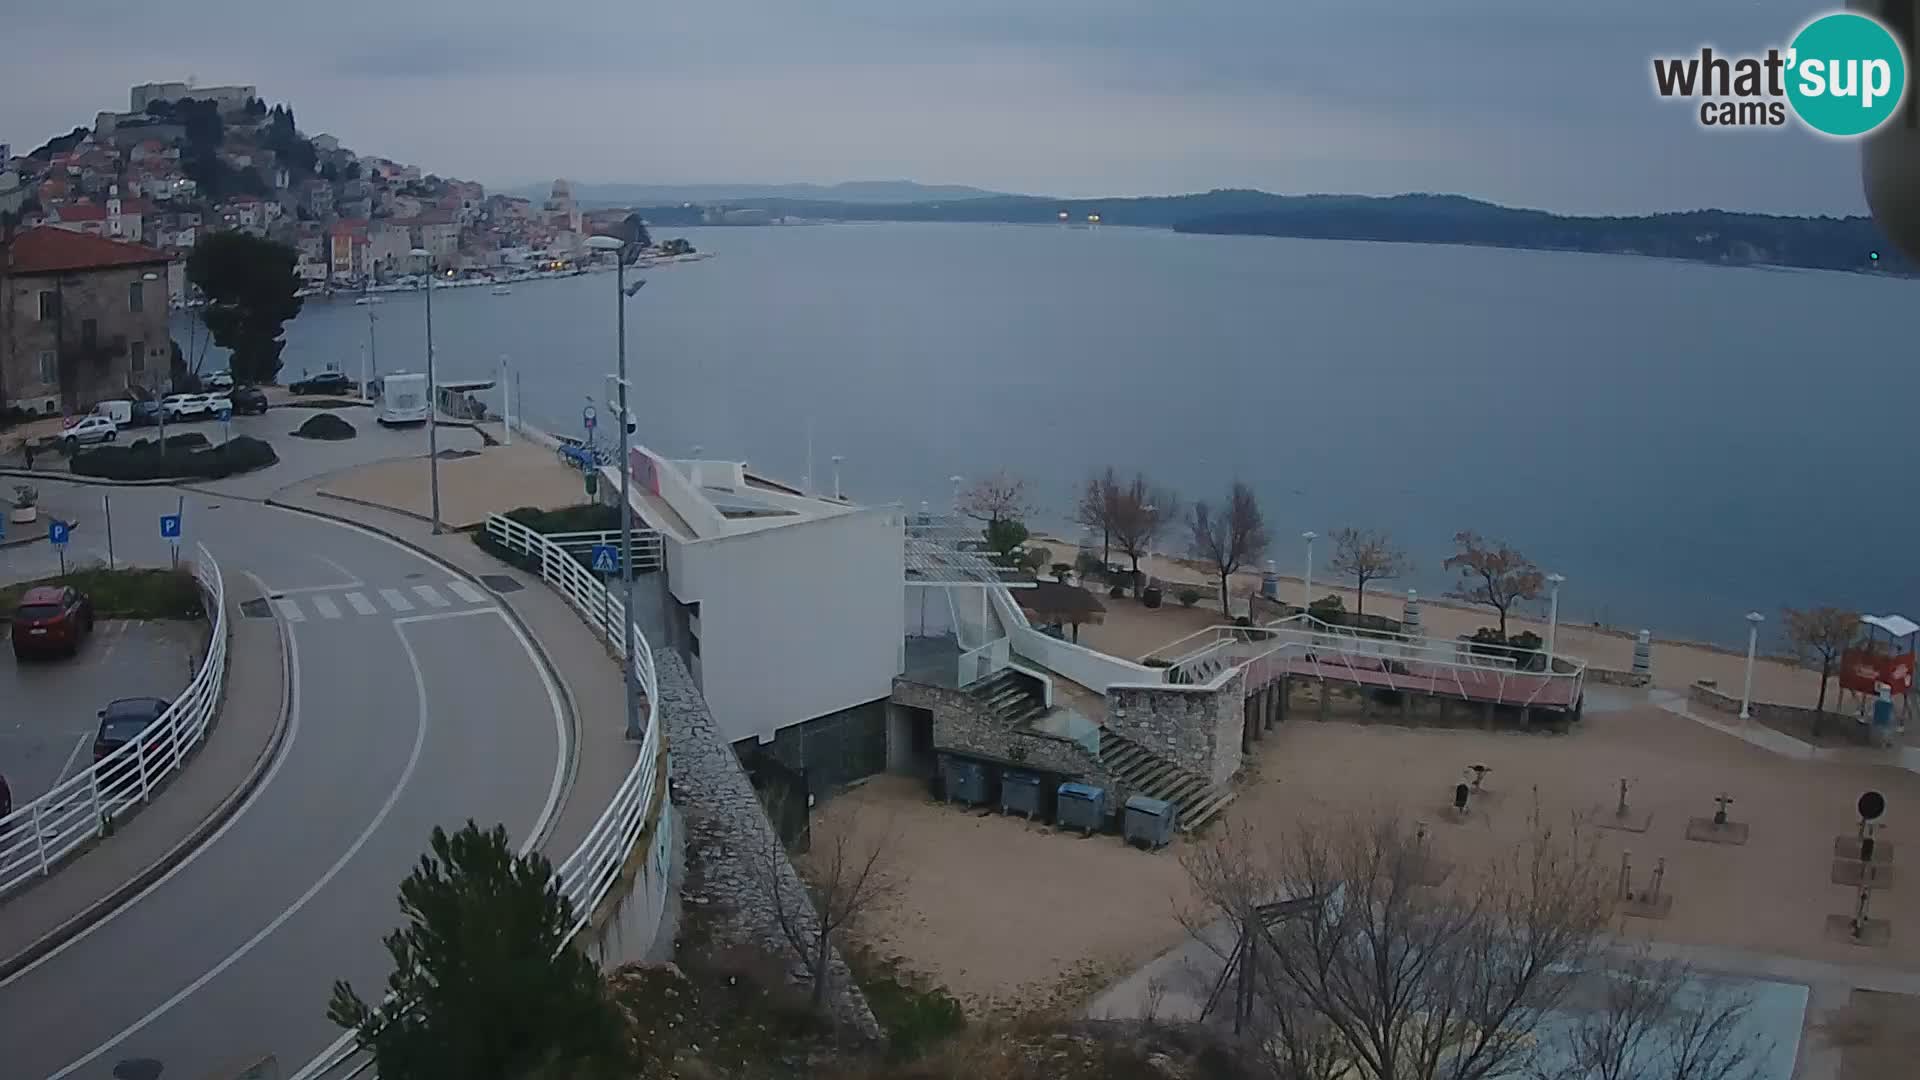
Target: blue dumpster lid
(1016, 776)
(1151, 806)
(1082, 791)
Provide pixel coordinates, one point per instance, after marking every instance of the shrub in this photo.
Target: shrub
(1118, 592)
(145, 462)
(124, 594)
(1087, 565)
(1328, 609)
(325, 426)
(1189, 597)
(186, 440)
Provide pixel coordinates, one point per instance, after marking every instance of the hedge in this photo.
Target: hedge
(586, 517)
(325, 426)
(123, 594)
(144, 461)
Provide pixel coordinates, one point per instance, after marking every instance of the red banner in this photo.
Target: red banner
(1861, 670)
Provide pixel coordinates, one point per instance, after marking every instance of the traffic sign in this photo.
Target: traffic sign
(170, 526)
(588, 416)
(606, 558)
(57, 532)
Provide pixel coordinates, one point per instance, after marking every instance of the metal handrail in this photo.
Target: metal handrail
(36, 836)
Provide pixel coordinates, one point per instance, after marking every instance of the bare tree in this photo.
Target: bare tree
(1649, 1018)
(1493, 574)
(1230, 537)
(997, 498)
(1822, 634)
(1094, 510)
(1365, 555)
(848, 880)
(1141, 513)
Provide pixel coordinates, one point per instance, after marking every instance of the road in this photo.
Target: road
(414, 703)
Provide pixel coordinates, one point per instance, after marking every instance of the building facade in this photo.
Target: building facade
(82, 317)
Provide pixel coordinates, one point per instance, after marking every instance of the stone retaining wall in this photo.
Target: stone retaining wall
(1610, 677)
(963, 724)
(726, 824)
(1763, 711)
(1196, 728)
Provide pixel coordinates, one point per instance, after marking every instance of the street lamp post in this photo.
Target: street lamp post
(433, 395)
(1754, 619)
(837, 459)
(621, 293)
(956, 492)
(1553, 616)
(1306, 598)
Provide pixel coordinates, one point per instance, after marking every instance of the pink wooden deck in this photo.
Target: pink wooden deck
(1469, 684)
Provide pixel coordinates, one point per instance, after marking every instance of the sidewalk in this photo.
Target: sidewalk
(211, 785)
(589, 678)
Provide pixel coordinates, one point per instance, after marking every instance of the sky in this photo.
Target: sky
(1533, 104)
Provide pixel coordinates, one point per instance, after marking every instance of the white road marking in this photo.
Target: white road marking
(467, 592)
(431, 595)
(327, 608)
(78, 746)
(351, 581)
(395, 600)
(290, 670)
(290, 610)
(360, 604)
(393, 797)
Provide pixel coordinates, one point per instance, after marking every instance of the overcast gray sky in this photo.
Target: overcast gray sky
(1533, 104)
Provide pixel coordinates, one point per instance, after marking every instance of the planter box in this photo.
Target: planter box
(23, 515)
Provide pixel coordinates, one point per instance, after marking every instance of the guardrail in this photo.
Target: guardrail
(35, 837)
(981, 663)
(646, 544)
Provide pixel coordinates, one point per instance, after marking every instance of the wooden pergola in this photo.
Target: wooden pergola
(1049, 603)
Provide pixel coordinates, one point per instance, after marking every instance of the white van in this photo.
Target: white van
(120, 412)
(403, 399)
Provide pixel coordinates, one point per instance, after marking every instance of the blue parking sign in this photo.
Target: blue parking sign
(169, 526)
(606, 558)
(57, 532)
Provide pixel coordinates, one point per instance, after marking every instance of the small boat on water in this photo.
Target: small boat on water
(362, 301)
(502, 290)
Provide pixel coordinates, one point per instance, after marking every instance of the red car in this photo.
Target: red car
(51, 618)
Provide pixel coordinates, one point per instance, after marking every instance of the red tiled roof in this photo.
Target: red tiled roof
(80, 212)
(48, 250)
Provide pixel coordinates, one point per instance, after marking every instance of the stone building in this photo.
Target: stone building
(81, 318)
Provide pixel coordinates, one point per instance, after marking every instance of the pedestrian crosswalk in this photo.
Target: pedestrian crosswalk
(360, 603)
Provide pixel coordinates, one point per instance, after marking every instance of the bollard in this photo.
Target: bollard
(1410, 615)
(1643, 653)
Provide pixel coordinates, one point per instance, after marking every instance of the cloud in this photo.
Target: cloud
(1537, 105)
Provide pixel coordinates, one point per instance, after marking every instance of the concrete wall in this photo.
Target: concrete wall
(1195, 727)
(795, 621)
(1094, 670)
(1763, 711)
(963, 724)
(1610, 677)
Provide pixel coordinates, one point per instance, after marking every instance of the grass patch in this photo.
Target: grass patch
(586, 517)
(123, 594)
(915, 1013)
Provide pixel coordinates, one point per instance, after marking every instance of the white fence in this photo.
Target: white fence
(982, 663)
(1094, 670)
(588, 874)
(38, 835)
(646, 544)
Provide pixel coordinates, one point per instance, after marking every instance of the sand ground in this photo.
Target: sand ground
(1008, 913)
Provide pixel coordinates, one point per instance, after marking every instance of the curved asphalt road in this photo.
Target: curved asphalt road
(402, 720)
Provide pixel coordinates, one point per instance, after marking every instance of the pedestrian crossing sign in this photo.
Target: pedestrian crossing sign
(605, 559)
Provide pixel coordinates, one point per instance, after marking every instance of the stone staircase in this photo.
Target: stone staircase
(1011, 697)
(1149, 774)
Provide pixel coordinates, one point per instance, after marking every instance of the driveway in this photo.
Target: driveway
(414, 703)
(47, 732)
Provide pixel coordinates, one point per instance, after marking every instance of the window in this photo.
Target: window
(137, 356)
(135, 301)
(49, 369)
(89, 333)
(49, 306)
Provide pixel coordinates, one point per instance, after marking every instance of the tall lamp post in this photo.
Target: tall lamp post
(1754, 619)
(622, 250)
(1553, 615)
(1306, 589)
(433, 394)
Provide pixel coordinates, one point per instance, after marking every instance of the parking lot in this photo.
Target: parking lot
(47, 727)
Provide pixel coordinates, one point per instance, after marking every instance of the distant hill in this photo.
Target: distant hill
(877, 192)
(1718, 236)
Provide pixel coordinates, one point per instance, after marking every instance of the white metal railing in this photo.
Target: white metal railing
(646, 544)
(35, 837)
(979, 664)
(1303, 644)
(589, 872)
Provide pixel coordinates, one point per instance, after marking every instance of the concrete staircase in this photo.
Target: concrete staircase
(1011, 697)
(1147, 773)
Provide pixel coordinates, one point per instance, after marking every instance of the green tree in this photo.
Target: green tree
(484, 982)
(249, 284)
(1004, 537)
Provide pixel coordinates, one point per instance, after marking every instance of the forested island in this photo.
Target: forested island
(1716, 236)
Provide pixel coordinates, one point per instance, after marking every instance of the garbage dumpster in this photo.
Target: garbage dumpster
(1081, 806)
(1020, 793)
(967, 781)
(1149, 822)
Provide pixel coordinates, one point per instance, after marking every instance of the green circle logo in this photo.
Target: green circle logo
(1846, 74)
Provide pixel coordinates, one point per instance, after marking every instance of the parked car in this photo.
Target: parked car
(327, 382)
(248, 399)
(218, 406)
(89, 429)
(183, 406)
(51, 618)
(122, 721)
(219, 380)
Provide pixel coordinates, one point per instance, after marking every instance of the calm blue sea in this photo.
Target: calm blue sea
(1683, 442)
